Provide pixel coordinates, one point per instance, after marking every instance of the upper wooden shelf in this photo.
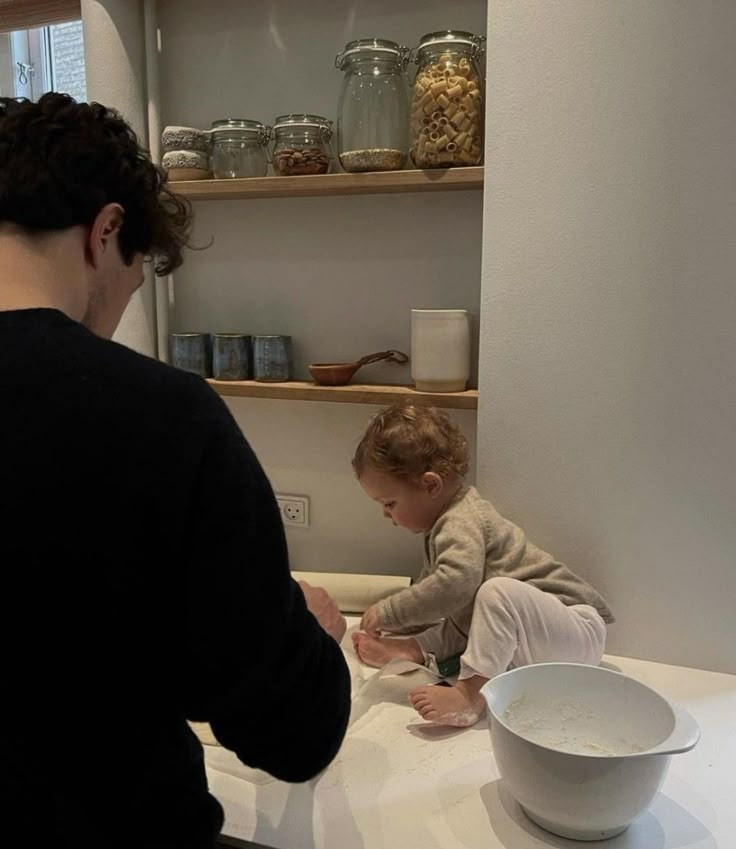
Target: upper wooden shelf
(383, 182)
(353, 393)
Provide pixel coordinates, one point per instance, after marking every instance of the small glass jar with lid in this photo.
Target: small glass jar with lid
(373, 109)
(447, 111)
(239, 148)
(301, 144)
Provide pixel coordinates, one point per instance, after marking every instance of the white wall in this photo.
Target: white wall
(339, 274)
(115, 73)
(306, 447)
(608, 347)
(6, 67)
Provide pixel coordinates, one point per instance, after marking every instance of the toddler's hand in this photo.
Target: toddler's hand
(369, 623)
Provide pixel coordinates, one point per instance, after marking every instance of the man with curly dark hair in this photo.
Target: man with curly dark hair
(143, 550)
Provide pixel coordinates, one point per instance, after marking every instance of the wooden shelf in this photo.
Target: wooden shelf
(383, 182)
(353, 393)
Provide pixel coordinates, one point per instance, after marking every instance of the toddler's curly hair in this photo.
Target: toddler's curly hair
(406, 441)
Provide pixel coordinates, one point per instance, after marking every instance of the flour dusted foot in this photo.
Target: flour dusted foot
(378, 651)
(460, 706)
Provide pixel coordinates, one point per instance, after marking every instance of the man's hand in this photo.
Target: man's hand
(369, 623)
(322, 606)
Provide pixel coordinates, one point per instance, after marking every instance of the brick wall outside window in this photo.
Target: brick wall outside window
(67, 49)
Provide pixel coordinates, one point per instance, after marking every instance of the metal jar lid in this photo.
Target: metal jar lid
(449, 38)
(302, 121)
(379, 49)
(238, 129)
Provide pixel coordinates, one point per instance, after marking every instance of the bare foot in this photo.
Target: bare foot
(461, 705)
(377, 651)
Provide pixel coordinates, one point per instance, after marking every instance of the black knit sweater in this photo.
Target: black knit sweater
(145, 582)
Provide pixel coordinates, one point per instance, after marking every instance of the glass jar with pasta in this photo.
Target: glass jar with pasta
(447, 109)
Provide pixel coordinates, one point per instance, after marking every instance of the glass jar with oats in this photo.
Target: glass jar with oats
(373, 110)
(447, 107)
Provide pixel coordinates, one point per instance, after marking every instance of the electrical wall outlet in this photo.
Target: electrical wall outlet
(294, 510)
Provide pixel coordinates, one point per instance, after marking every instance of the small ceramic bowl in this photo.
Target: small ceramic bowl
(185, 138)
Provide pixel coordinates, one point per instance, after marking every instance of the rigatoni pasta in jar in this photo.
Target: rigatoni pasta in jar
(447, 106)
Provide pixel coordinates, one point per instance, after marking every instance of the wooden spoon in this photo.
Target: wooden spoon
(338, 374)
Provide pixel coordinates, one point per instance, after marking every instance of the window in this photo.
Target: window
(50, 58)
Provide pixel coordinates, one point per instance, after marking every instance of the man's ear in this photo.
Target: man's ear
(103, 232)
(433, 484)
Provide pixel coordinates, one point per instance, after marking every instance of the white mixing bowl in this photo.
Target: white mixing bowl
(582, 749)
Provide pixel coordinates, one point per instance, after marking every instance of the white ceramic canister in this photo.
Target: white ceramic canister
(440, 350)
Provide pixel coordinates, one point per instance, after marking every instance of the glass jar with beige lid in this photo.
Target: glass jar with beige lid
(373, 109)
(301, 144)
(239, 148)
(447, 113)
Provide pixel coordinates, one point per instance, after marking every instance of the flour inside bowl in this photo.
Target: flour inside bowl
(568, 725)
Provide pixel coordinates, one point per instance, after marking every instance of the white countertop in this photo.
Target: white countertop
(401, 783)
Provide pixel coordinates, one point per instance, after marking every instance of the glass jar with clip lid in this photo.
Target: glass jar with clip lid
(373, 109)
(239, 148)
(447, 100)
(301, 144)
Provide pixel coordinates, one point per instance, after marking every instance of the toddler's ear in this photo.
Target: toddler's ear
(433, 484)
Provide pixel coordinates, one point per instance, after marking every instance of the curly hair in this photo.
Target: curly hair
(406, 441)
(61, 162)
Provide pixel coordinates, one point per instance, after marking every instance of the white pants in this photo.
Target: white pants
(515, 624)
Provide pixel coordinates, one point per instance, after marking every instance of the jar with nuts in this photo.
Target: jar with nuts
(301, 145)
(447, 110)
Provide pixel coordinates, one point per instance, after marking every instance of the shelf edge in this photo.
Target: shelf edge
(351, 394)
(389, 182)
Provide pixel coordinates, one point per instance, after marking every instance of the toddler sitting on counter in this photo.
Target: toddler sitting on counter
(485, 594)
